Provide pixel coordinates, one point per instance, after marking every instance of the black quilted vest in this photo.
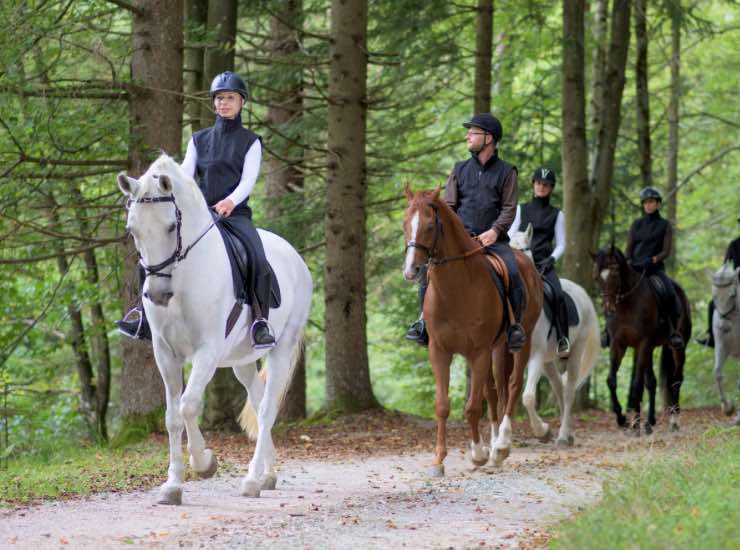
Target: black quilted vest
(542, 216)
(648, 234)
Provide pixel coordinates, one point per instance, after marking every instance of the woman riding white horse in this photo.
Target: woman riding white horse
(544, 357)
(726, 325)
(189, 296)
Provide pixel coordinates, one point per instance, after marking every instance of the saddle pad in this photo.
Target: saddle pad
(238, 258)
(570, 305)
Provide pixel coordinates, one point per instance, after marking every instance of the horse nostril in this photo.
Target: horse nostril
(146, 295)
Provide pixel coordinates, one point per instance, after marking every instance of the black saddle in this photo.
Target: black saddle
(549, 304)
(240, 273)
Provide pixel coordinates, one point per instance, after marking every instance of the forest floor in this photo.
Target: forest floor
(361, 482)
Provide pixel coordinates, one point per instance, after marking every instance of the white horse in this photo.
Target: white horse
(189, 295)
(584, 349)
(725, 325)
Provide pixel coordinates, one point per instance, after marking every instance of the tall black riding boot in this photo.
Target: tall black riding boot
(134, 323)
(417, 332)
(708, 338)
(260, 332)
(516, 336)
(560, 316)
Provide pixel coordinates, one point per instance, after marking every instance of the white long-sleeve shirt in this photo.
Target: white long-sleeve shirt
(250, 170)
(559, 249)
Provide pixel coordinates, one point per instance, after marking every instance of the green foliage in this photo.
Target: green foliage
(137, 427)
(682, 499)
(82, 470)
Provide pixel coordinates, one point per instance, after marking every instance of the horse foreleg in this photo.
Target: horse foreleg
(440, 360)
(642, 363)
(651, 384)
(565, 435)
(171, 370)
(202, 460)
(615, 359)
(720, 356)
(674, 386)
(540, 429)
(480, 366)
(492, 400)
(513, 384)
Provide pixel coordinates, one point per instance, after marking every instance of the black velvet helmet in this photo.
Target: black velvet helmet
(544, 174)
(487, 122)
(228, 82)
(650, 193)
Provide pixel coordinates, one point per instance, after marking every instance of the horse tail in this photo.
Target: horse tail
(248, 417)
(592, 346)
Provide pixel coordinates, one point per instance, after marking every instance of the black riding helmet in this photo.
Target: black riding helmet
(544, 174)
(488, 123)
(228, 82)
(650, 193)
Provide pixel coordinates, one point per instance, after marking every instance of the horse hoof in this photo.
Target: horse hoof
(479, 454)
(674, 427)
(648, 428)
(170, 495)
(621, 421)
(210, 470)
(251, 488)
(565, 442)
(270, 482)
(728, 408)
(436, 470)
(547, 436)
(499, 455)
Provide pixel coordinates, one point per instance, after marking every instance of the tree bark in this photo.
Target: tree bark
(598, 74)
(483, 56)
(156, 123)
(643, 98)
(673, 117)
(348, 385)
(284, 175)
(196, 19)
(219, 55)
(224, 397)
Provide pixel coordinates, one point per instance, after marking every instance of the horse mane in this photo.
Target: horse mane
(724, 275)
(453, 225)
(184, 185)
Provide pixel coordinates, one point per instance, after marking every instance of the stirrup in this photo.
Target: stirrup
(138, 328)
(417, 332)
(563, 347)
(262, 345)
(516, 337)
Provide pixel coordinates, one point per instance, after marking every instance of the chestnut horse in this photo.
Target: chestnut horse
(465, 314)
(633, 320)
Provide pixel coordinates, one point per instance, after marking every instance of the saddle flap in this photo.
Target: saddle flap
(549, 304)
(499, 266)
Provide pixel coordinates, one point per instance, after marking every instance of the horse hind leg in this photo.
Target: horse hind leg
(479, 368)
(651, 385)
(540, 428)
(565, 435)
(720, 356)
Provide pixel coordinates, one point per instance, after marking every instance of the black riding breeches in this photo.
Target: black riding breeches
(258, 275)
(671, 304)
(516, 294)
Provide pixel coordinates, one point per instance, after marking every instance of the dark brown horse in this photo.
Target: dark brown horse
(633, 320)
(465, 314)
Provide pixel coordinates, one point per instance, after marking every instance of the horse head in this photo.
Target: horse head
(522, 240)
(155, 221)
(422, 229)
(724, 291)
(610, 270)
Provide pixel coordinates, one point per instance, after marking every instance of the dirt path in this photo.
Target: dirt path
(384, 500)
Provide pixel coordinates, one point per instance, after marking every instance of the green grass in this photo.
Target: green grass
(685, 499)
(83, 471)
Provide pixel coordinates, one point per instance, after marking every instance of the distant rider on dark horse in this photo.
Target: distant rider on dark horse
(483, 192)
(732, 255)
(649, 244)
(548, 224)
(225, 161)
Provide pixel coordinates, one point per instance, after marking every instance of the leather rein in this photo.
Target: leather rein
(431, 251)
(179, 254)
(730, 311)
(619, 296)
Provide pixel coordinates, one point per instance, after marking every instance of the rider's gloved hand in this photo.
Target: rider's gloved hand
(545, 265)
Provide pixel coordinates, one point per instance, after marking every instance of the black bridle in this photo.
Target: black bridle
(618, 296)
(178, 255)
(730, 311)
(431, 251)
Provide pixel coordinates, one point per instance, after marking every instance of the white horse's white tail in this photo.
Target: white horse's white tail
(248, 416)
(592, 343)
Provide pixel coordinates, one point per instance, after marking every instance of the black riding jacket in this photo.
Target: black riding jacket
(542, 215)
(221, 151)
(650, 236)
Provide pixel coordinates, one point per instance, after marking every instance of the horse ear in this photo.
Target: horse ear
(529, 231)
(127, 185)
(408, 192)
(165, 183)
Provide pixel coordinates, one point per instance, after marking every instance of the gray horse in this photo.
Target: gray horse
(726, 326)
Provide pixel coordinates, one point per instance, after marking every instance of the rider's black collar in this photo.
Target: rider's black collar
(541, 201)
(226, 125)
(654, 216)
(490, 162)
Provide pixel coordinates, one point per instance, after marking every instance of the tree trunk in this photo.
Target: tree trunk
(643, 99)
(483, 53)
(156, 123)
(348, 385)
(598, 73)
(284, 168)
(196, 19)
(224, 397)
(219, 55)
(673, 116)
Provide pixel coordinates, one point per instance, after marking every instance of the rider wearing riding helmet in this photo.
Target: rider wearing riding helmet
(649, 243)
(731, 256)
(483, 192)
(548, 224)
(225, 161)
